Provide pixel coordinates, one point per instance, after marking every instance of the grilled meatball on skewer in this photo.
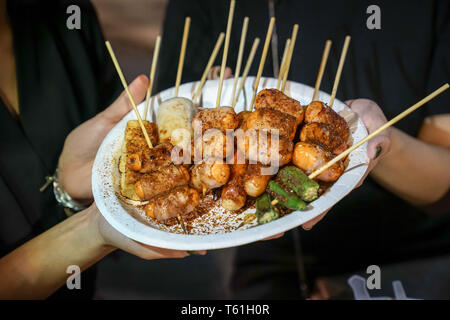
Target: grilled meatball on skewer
(233, 192)
(255, 182)
(256, 146)
(321, 113)
(272, 119)
(275, 99)
(155, 183)
(222, 118)
(210, 174)
(179, 201)
(242, 117)
(310, 157)
(324, 135)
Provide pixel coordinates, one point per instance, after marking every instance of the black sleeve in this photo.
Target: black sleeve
(440, 60)
(109, 86)
(204, 31)
(88, 40)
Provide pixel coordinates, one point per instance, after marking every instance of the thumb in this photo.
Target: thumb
(122, 105)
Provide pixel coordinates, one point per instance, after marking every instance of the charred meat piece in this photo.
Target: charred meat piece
(264, 147)
(242, 118)
(272, 119)
(210, 174)
(256, 179)
(233, 192)
(323, 134)
(319, 112)
(155, 183)
(223, 118)
(179, 201)
(310, 157)
(214, 144)
(275, 99)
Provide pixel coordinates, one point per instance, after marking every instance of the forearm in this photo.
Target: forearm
(38, 268)
(416, 171)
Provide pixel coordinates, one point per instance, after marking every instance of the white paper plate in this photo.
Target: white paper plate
(212, 230)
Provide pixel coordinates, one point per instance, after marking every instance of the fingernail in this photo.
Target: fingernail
(306, 228)
(379, 149)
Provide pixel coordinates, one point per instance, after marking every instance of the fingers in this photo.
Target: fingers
(150, 253)
(122, 105)
(311, 223)
(274, 237)
(214, 73)
(373, 118)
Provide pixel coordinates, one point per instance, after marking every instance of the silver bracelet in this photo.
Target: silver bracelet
(61, 195)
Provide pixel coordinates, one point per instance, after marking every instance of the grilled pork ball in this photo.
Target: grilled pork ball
(324, 135)
(310, 157)
(275, 99)
(319, 112)
(256, 180)
(256, 146)
(222, 118)
(267, 119)
(233, 192)
(210, 174)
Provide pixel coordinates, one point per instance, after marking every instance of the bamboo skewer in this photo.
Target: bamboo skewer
(289, 59)
(225, 51)
(246, 70)
(323, 63)
(283, 63)
(152, 76)
(187, 25)
(262, 61)
(211, 60)
(339, 70)
(240, 55)
(130, 97)
(180, 221)
(380, 129)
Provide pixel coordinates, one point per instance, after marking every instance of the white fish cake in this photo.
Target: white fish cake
(174, 120)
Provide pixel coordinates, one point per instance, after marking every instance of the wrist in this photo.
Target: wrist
(63, 197)
(93, 225)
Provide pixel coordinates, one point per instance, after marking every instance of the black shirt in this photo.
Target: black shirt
(64, 78)
(395, 66)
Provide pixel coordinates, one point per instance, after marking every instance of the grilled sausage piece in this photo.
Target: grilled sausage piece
(323, 134)
(233, 193)
(151, 159)
(272, 119)
(310, 157)
(222, 118)
(209, 174)
(179, 201)
(319, 112)
(275, 99)
(256, 180)
(158, 182)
